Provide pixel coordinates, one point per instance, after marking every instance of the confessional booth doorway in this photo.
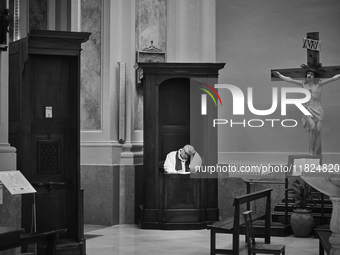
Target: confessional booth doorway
(172, 118)
(174, 115)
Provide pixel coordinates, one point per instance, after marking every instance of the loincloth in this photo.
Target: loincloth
(315, 108)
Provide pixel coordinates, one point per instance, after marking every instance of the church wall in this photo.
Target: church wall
(110, 155)
(191, 31)
(253, 38)
(101, 189)
(151, 25)
(38, 14)
(112, 193)
(91, 68)
(151, 21)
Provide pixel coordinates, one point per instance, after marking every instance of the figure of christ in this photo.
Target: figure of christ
(312, 123)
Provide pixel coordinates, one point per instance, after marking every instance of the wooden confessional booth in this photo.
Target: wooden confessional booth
(44, 126)
(172, 119)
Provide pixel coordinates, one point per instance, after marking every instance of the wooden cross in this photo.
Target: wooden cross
(312, 43)
(313, 58)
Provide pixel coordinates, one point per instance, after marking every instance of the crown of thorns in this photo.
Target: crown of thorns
(316, 69)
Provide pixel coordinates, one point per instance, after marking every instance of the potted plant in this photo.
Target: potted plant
(302, 221)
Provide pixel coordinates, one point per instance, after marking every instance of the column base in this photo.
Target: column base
(8, 158)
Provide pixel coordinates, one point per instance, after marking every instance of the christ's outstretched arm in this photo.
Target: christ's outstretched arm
(288, 79)
(329, 80)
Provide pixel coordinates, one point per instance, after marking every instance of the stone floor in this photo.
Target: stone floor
(129, 239)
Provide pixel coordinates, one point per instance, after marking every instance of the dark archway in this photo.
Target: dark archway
(174, 115)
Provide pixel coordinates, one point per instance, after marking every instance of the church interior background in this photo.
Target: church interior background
(252, 38)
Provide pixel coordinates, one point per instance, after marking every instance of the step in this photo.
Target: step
(325, 201)
(276, 229)
(318, 200)
(280, 217)
(316, 209)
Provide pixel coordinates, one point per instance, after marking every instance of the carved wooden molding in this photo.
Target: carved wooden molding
(151, 54)
(16, 20)
(122, 103)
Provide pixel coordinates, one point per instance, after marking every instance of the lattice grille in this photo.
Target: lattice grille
(49, 154)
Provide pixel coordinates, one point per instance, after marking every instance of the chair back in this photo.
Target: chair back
(254, 248)
(250, 237)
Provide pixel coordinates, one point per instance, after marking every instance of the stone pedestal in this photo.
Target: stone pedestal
(335, 226)
(331, 187)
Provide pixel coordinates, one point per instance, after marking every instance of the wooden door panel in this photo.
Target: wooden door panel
(174, 102)
(51, 85)
(55, 207)
(181, 194)
(14, 79)
(51, 160)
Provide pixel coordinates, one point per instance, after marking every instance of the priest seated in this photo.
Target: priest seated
(183, 161)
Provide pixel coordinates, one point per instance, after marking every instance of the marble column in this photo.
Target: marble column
(7, 153)
(23, 18)
(10, 208)
(191, 31)
(151, 25)
(38, 14)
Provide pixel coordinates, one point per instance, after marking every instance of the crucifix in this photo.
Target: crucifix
(315, 77)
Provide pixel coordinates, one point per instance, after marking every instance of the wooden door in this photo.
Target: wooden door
(47, 138)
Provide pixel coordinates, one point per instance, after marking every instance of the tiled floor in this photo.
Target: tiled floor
(129, 239)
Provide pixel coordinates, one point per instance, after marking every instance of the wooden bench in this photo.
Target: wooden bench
(232, 225)
(12, 238)
(49, 238)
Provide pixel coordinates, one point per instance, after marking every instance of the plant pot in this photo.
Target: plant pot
(302, 222)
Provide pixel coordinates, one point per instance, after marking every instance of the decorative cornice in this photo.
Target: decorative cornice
(151, 49)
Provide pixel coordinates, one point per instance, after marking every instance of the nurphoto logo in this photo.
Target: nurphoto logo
(204, 97)
(239, 105)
